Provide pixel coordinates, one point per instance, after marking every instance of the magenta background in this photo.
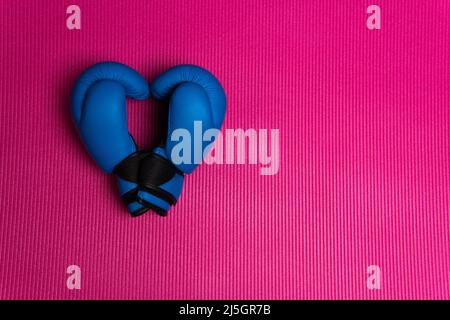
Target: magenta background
(364, 176)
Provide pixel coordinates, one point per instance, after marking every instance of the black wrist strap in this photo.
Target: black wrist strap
(149, 206)
(156, 170)
(128, 168)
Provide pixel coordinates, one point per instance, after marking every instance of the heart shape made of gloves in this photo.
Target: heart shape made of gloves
(146, 180)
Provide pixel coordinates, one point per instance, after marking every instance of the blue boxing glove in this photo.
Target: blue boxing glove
(197, 102)
(100, 114)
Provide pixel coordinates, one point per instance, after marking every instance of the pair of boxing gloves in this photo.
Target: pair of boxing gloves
(146, 180)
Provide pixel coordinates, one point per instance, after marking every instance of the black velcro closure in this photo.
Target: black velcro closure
(128, 168)
(160, 193)
(156, 170)
(151, 206)
(130, 196)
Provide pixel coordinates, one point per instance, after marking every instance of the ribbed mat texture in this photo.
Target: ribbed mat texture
(364, 127)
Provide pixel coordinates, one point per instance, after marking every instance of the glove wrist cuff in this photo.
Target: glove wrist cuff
(155, 172)
(128, 170)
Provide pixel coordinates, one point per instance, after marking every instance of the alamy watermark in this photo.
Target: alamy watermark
(374, 279)
(74, 279)
(233, 146)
